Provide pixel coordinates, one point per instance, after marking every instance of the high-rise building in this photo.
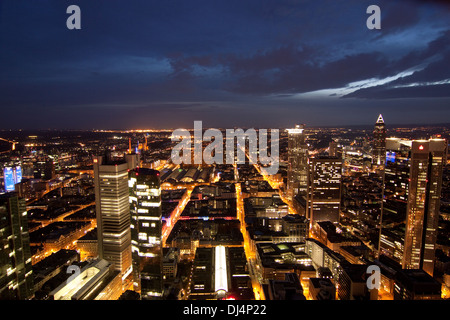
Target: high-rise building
(334, 150)
(379, 143)
(11, 176)
(411, 201)
(44, 169)
(324, 190)
(146, 226)
(113, 210)
(16, 280)
(297, 172)
(395, 197)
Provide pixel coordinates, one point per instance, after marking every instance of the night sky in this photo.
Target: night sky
(231, 63)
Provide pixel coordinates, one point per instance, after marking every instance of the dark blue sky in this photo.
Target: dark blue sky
(233, 63)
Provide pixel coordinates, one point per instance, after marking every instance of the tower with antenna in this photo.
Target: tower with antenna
(379, 144)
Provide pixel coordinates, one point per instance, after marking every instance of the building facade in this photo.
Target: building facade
(411, 201)
(146, 226)
(113, 210)
(16, 280)
(324, 190)
(297, 171)
(379, 143)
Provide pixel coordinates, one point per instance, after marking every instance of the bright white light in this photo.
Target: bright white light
(294, 131)
(221, 277)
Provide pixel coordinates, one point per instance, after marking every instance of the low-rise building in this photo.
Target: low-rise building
(88, 245)
(220, 272)
(287, 289)
(416, 284)
(96, 281)
(275, 260)
(322, 289)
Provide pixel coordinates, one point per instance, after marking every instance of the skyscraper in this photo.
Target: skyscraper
(324, 190)
(16, 281)
(411, 201)
(44, 168)
(146, 224)
(113, 210)
(297, 172)
(379, 143)
(11, 176)
(395, 197)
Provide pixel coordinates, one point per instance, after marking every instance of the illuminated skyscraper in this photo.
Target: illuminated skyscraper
(16, 280)
(324, 191)
(113, 210)
(379, 143)
(146, 224)
(297, 172)
(395, 197)
(411, 199)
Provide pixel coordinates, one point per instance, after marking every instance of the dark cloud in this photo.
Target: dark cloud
(430, 81)
(399, 15)
(165, 62)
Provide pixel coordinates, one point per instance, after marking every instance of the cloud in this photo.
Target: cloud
(397, 16)
(416, 91)
(292, 70)
(431, 79)
(131, 64)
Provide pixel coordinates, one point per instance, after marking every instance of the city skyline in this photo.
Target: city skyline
(270, 64)
(254, 150)
(136, 225)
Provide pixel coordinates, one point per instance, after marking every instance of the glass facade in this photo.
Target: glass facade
(411, 201)
(297, 174)
(146, 226)
(16, 280)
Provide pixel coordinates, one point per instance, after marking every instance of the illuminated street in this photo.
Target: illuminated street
(176, 213)
(207, 159)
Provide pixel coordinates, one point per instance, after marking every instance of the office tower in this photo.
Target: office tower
(427, 161)
(334, 150)
(379, 143)
(113, 210)
(297, 172)
(324, 190)
(11, 176)
(16, 281)
(395, 196)
(146, 225)
(411, 201)
(44, 169)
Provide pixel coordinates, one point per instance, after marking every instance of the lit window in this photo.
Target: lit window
(142, 236)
